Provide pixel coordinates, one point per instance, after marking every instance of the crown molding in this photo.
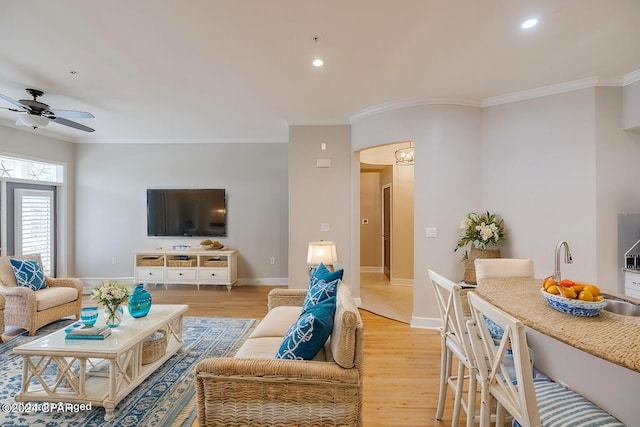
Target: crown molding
(269, 140)
(396, 105)
(631, 77)
(540, 92)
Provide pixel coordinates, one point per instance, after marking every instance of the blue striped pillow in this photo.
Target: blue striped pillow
(562, 407)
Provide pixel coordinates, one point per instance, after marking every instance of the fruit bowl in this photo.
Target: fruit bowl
(575, 307)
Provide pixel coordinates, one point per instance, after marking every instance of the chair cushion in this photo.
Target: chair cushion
(54, 296)
(306, 337)
(319, 290)
(557, 404)
(28, 273)
(7, 277)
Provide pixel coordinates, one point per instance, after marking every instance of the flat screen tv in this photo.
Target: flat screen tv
(186, 212)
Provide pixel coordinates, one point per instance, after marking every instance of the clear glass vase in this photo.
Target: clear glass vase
(113, 315)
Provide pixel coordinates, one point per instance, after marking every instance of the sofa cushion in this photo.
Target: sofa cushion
(306, 337)
(7, 277)
(277, 322)
(28, 273)
(343, 336)
(319, 290)
(54, 296)
(266, 347)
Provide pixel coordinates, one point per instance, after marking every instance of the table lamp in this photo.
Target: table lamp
(321, 252)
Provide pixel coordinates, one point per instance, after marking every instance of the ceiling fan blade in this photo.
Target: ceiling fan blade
(13, 109)
(69, 123)
(14, 102)
(70, 114)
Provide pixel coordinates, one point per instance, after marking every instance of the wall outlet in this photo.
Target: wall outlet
(272, 260)
(114, 260)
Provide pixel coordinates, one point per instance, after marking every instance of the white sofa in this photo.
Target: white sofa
(255, 388)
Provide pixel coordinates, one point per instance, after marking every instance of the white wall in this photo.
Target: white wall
(319, 196)
(111, 201)
(539, 174)
(447, 175)
(32, 145)
(618, 189)
(631, 106)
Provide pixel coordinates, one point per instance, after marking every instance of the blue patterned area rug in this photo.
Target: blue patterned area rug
(164, 399)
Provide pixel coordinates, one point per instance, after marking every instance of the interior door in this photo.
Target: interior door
(386, 230)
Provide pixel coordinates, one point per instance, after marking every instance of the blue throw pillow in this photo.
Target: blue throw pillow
(28, 273)
(306, 337)
(319, 291)
(322, 272)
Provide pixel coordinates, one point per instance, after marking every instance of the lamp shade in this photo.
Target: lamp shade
(322, 252)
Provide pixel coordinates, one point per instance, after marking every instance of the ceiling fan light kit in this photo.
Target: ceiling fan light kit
(36, 114)
(31, 120)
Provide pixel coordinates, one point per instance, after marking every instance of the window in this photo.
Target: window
(34, 225)
(11, 167)
(28, 218)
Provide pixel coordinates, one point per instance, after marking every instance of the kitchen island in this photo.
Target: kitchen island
(599, 357)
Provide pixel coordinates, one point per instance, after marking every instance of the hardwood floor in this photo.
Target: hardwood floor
(402, 364)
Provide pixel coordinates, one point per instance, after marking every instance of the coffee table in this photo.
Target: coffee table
(98, 372)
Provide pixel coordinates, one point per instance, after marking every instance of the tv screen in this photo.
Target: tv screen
(186, 212)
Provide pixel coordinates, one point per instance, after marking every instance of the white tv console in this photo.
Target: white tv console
(191, 266)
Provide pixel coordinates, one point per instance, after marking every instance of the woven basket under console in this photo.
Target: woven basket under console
(151, 262)
(154, 347)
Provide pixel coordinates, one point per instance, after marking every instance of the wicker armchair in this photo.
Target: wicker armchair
(244, 391)
(32, 310)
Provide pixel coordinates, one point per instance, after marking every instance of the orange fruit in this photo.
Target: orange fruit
(578, 287)
(567, 283)
(595, 291)
(598, 298)
(585, 296)
(567, 292)
(549, 283)
(553, 289)
(544, 281)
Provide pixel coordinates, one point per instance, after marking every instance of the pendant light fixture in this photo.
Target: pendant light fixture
(404, 156)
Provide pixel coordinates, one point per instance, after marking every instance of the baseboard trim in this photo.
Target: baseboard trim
(88, 283)
(401, 282)
(372, 269)
(425, 322)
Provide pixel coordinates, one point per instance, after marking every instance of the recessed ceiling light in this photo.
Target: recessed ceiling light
(529, 23)
(318, 62)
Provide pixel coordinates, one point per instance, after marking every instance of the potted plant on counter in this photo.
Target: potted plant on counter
(480, 231)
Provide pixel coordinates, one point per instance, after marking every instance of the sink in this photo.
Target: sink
(622, 307)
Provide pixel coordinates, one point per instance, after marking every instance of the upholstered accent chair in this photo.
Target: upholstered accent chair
(31, 309)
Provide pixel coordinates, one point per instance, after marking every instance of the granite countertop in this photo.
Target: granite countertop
(609, 336)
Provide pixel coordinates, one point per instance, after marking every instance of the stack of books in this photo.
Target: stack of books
(88, 333)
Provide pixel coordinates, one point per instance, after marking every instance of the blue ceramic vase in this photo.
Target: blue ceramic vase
(139, 302)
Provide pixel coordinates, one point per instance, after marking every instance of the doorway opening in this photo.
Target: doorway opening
(386, 233)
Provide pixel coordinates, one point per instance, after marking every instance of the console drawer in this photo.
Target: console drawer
(213, 275)
(150, 274)
(181, 274)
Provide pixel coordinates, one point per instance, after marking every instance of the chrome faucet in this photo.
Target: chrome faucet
(568, 259)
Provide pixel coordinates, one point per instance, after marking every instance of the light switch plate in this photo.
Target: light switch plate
(324, 227)
(431, 232)
(323, 163)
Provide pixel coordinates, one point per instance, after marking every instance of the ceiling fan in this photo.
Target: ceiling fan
(38, 114)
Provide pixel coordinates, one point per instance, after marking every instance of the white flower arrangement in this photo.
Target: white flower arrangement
(110, 294)
(480, 230)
